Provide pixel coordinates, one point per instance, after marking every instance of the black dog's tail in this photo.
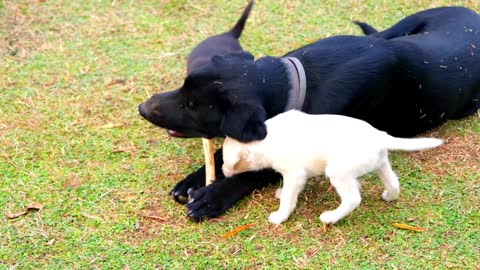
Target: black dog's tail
(238, 28)
(366, 29)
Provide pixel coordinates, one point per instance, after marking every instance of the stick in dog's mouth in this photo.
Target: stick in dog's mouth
(209, 161)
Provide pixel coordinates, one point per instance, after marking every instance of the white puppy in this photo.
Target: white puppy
(300, 146)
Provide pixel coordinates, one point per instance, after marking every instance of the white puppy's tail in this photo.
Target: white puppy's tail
(414, 144)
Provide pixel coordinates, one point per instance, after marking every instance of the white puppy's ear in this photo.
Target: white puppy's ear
(239, 158)
(231, 156)
(244, 161)
(246, 155)
(236, 157)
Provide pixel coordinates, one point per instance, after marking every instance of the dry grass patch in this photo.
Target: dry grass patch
(460, 153)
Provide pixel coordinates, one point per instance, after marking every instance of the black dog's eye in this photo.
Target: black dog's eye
(191, 104)
(181, 106)
(211, 106)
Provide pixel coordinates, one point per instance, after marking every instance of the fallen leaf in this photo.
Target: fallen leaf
(237, 230)
(120, 150)
(112, 125)
(126, 267)
(137, 225)
(49, 243)
(407, 227)
(35, 206)
(117, 81)
(15, 215)
(31, 206)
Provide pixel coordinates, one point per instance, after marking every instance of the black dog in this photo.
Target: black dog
(404, 80)
(221, 44)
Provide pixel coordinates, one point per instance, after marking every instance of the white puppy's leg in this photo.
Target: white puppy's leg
(390, 182)
(348, 189)
(293, 184)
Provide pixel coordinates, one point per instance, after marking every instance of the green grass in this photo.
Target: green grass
(71, 76)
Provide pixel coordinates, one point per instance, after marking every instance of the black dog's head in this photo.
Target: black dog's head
(216, 99)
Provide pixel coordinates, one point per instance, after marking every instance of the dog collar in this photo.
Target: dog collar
(297, 77)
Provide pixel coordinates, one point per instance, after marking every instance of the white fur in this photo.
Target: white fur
(300, 146)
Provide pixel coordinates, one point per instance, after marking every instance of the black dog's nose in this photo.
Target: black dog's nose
(142, 111)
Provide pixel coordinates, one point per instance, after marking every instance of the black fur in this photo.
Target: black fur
(405, 80)
(245, 122)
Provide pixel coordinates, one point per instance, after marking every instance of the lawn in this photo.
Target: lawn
(72, 74)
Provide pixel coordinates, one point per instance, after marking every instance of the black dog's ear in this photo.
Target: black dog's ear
(245, 123)
(201, 75)
(243, 54)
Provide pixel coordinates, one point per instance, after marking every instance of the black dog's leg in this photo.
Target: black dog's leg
(213, 200)
(196, 180)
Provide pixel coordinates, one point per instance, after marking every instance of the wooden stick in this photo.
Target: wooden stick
(209, 161)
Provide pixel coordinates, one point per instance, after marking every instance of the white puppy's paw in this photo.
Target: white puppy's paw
(388, 196)
(278, 193)
(277, 217)
(329, 217)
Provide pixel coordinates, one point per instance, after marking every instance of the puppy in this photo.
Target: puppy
(300, 146)
(221, 44)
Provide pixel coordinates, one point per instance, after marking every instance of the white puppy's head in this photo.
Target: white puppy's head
(237, 158)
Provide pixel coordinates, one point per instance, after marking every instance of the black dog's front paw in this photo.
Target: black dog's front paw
(207, 202)
(194, 181)
(213, 200)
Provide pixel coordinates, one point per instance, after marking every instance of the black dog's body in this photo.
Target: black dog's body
(221, 44)
(404, 80)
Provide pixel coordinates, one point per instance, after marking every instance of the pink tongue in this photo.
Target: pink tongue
(174, 133)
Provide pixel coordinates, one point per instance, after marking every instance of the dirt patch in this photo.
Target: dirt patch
(19, 37)
(152, 219)
(460, 153)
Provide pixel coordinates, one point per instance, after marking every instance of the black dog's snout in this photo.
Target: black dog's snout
(142, 110)
(150, 111)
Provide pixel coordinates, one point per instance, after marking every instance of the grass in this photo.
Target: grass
(71, 76)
